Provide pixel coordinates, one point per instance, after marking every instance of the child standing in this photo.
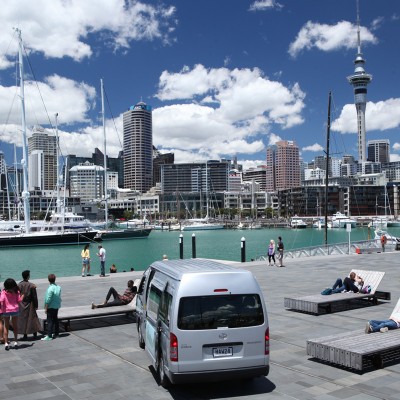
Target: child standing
(9, 299)
(52, 303)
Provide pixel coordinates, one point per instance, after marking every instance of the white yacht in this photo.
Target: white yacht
(340, 220)
(297, 223)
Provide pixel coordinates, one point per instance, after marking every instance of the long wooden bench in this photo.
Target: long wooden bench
(67, 314)
(356, 349)
(320, 304)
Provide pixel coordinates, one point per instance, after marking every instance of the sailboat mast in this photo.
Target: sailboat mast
(58, 208)
(24, 161)
(328, 132)
(105, 155)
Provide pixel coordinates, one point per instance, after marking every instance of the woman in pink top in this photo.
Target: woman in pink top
(9, 299)
(1, 324)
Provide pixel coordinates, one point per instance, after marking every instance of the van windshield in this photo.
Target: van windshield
(212, 312)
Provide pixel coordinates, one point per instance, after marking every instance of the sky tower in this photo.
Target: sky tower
(360, 80)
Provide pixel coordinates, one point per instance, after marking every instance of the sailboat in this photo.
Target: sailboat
(111, 231)
(28, 237)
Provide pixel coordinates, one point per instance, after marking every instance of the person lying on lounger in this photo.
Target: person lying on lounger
(119, 299)
(384, 325)
(352, 283)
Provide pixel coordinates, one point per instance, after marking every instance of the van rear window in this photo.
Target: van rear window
(212, 312)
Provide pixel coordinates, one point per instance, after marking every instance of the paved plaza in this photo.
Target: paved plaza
(101, 359)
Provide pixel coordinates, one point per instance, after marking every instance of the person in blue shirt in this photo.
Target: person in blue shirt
(52, 303)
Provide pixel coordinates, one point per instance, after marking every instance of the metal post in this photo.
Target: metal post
(193, 245)
(181, 246)
(243, 249)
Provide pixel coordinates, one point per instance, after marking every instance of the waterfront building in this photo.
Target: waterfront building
(42, 159)
(312, 174)
(87, 182)
(2, 163)
(368, 167)
(392, 171)
(158, 160)
(97, 158)
(138, 147)
(379, 151)
(283, 166)
(258, 174)
(191, 177)
(234, 180)
(360, 80)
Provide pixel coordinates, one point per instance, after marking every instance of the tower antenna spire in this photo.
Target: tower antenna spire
(358, 28)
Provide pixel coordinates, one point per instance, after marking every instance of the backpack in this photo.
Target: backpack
(327, 291)
(367, 289)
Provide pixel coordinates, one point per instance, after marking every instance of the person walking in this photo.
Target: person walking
(52, 304)
(119, 299)
(85, 254)
(102, 256)
(28, 320)
(383, 242)
(281, 248)
(10, 298)
(271, 252)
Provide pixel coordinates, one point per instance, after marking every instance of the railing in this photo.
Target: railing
(333, 249)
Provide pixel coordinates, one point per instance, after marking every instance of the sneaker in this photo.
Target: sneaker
(83, 276)
(384, 329)
(6, 346)
(93, 306)
(368, 328)
(46, 338)
(15, 345)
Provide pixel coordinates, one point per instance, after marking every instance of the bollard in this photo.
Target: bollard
(243, 249)
(181, 246)
(193, 245)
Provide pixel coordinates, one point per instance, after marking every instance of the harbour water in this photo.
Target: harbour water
(139, 253)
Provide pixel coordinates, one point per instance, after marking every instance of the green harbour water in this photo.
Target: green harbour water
(139, 253)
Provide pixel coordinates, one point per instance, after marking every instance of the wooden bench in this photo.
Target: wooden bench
(320, 304)
(67, 314)
(357, 349)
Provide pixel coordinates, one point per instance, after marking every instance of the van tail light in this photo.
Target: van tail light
(173, 347)
(267, 341)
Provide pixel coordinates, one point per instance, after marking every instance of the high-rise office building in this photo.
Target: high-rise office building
(138, 148)
(360, 80)
(283, 166)
(42, 159)
(379, 151)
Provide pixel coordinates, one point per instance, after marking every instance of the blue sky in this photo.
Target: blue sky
(225, 78)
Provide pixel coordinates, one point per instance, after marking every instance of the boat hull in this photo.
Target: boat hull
(202, 227)
(125, 234)
(54, 239)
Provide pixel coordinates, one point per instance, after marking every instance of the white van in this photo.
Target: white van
(202, 320)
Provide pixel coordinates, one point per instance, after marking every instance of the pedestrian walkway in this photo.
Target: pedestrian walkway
(100, 359)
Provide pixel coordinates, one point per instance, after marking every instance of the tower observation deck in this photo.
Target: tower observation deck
(360, 80)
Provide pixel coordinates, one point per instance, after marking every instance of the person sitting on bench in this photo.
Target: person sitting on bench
(383, 325)
(352, 283)
(119, 299)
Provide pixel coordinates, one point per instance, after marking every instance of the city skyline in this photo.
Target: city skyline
(224, 78)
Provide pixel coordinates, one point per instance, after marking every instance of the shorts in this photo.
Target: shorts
(85, 261)
(10, 314)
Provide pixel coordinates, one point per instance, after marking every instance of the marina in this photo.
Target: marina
(138, 254)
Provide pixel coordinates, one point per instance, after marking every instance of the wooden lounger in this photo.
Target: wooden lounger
(356, 349)
(320, 304)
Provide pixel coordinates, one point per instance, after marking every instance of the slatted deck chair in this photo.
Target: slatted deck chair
(357, 349)
(321, 304)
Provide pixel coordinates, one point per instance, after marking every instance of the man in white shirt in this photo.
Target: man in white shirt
(102, 256)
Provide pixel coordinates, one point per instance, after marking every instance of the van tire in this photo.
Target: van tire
(162, 378)
(142, 343)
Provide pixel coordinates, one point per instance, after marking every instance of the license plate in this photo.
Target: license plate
(222, 352)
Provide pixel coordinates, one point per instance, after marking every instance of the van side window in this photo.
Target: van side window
(153, 303)
(212, 312)
(165, 306)
(141, 285)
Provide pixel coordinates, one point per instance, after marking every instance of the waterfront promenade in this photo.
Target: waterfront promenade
(100, 359)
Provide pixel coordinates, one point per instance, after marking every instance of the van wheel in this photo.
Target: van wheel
(142, 344)
(162, 378)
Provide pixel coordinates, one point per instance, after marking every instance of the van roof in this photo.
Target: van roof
(177, 268)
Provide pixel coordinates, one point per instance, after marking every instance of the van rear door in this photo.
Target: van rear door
(223, 331)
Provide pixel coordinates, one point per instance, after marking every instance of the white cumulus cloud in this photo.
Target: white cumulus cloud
(380, 116)
(329, 37)
(59, 28)
(396, 146)
(262, 5)
(316, 147)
